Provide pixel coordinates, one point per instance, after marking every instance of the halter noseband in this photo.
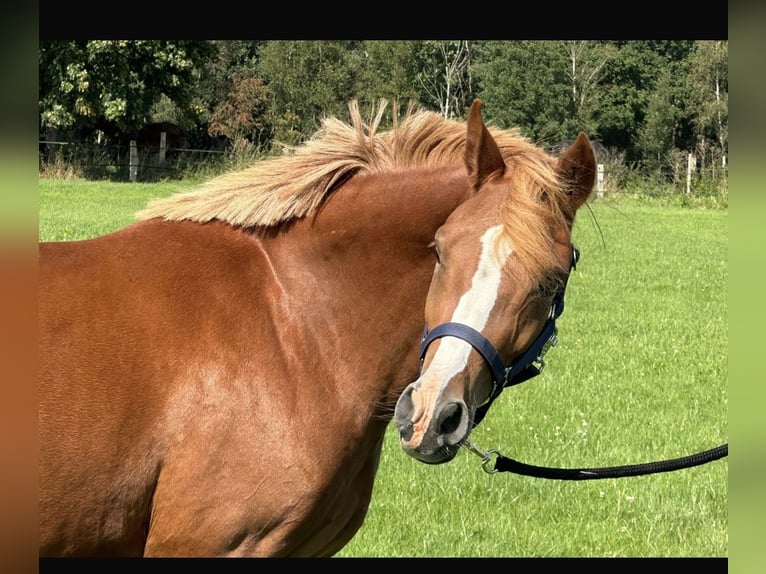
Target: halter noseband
(529, 364)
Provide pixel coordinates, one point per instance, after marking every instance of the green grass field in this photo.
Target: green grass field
(640, 374)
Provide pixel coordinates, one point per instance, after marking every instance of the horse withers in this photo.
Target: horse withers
(216, 379)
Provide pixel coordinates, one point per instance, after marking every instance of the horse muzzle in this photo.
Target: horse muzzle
(431, 433)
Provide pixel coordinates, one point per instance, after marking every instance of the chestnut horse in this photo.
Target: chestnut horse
(216, 379)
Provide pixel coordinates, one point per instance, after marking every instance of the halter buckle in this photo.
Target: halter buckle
(552, 341)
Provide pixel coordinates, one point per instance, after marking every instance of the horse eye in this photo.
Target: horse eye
(437, 254)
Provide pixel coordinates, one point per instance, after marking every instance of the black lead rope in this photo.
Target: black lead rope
(505, 464)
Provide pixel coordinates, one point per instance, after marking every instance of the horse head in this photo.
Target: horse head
(503, 258)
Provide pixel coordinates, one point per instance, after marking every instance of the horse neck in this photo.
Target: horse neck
(359, 272)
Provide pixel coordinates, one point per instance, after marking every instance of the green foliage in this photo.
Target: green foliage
(241, 115)
(387, 71)
(656, 134)
(443, 76)
(707, 102)
(551, 89)
(585, 72)
(116, 82)
(630, 78)
(651, 101)
(307, 81)
(234, 62)
(523, 84)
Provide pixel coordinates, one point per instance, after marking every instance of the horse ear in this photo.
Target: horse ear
(482, 156)
(577, 168)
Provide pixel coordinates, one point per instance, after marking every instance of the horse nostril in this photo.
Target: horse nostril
(403, 414)
(450, 418)
(405, 431)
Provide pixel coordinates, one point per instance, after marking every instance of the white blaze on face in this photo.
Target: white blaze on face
(473, 308)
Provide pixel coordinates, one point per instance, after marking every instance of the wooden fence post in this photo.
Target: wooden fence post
(163, 140)
(691, 165)
(600, 180)
(133, 160)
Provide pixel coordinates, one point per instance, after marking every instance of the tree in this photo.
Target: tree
(646, 99)
(525, 84)
(708, 101)
(586, 61)
(242, 114)
(444, 75)
(99, 83)
(656, 133)
(629, 80)
(308, 80)
(389, 71)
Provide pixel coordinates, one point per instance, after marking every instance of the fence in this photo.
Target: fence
(132, 162)
(153, 162)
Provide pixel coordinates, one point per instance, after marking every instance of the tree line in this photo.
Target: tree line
(648, 100)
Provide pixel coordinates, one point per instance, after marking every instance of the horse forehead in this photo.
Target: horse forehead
(479, 212)
(473, 235)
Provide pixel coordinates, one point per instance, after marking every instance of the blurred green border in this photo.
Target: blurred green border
(747, 252)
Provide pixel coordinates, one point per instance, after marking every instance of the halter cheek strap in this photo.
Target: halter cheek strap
(529, 364)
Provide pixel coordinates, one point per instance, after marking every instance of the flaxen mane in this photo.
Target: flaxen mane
(291, 186)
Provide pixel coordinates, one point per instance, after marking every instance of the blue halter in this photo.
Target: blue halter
(529, 364)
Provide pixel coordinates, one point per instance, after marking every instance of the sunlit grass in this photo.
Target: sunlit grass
(78, 209)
